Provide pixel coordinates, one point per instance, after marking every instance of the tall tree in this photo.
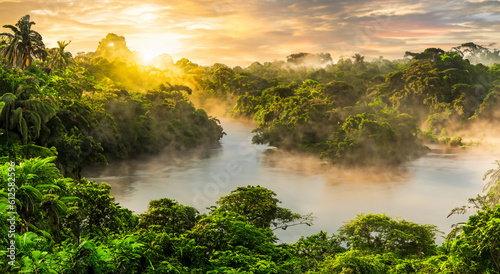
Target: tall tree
(60, 57)
(260, 207)
(24, 45)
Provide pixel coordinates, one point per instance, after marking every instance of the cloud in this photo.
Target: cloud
(238, 32)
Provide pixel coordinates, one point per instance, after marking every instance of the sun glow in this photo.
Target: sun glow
(151, 45)
(149, 55)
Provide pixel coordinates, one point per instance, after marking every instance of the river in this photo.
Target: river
(423, 191)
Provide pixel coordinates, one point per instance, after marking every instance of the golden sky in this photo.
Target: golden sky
(239, 32)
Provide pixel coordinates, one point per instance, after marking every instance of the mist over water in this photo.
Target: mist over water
(423, 191)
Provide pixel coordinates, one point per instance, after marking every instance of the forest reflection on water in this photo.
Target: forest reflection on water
(422, 191)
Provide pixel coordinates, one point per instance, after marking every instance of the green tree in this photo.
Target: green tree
(24, 45)
(24, 114)
(359, 63)
(354, 262)
(314, 249)
(169, 216)
(260, 207)
(59, 57)
(477, 249)
(490, 199)
(224, 241)
(429, 54)
(380, 234)
(40, 187)
(298, 58)
(95, 213)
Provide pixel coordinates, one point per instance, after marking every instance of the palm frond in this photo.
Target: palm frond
(24, 130)
(15, 118)
(494, 177)
(8, 35)
(29, 192)
(35, 123)
(48, 186)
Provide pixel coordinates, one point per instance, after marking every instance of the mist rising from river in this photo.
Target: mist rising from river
(422, 191)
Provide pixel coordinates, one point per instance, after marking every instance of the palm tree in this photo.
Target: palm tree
(38, 193)
(53, 210)
(11, 117)
(24, 46)
(28, 198)
(24, 113)
(60, 58)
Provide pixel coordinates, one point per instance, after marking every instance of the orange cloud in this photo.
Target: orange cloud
(239, 32)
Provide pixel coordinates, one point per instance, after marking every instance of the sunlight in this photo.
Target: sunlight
(149, 55)
(151, 45)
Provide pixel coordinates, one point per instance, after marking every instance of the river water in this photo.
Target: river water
(423, 191)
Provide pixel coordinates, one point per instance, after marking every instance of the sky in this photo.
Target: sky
(240, 32)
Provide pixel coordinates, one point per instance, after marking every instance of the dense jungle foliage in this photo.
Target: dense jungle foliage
(75, 226)
(356, 112)
(59, 112)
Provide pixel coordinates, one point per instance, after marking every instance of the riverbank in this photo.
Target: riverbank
(424, 190)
